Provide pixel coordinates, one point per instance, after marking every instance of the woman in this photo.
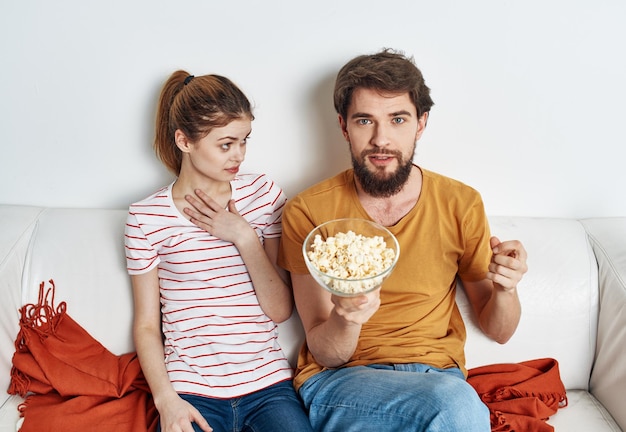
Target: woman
(208, 294)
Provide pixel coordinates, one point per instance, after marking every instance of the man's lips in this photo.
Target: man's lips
(381, 159)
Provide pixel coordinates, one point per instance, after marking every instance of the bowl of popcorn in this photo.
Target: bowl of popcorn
(350, 257)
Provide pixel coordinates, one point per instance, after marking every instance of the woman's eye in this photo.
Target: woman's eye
(225, 146)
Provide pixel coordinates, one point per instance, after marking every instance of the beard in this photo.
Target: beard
(378, 183)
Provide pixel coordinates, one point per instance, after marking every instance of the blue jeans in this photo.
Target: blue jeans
(401, 397)
(276, 408)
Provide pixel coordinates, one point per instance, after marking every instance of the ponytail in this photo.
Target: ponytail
(194, 105)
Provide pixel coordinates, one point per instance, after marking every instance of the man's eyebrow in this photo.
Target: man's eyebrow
(400, 113)
(393, 114)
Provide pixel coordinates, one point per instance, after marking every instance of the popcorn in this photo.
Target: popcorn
(349, 256)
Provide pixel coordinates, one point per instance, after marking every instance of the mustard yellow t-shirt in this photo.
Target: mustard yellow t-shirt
(445, 235)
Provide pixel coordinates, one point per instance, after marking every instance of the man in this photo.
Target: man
(393, 359)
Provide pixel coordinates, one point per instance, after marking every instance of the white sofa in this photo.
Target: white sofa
(573, 299)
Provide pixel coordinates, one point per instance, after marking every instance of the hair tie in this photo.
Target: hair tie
(188, 79)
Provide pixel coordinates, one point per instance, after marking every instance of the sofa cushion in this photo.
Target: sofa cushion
(67, 244)
(559, 297)
(82, 250)
(583, 413)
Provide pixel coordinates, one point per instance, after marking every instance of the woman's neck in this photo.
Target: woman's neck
(184, 185)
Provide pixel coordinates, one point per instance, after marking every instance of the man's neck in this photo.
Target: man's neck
(388, 210)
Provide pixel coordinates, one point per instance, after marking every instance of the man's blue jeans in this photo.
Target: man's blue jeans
(393, 398)
(276, 408)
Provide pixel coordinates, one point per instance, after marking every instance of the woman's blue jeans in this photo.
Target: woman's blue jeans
(276, 408)
(392, 398)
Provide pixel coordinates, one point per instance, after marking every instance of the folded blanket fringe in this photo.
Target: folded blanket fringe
(553, 400)
(70, 381)
(42, 320)
(520, 396)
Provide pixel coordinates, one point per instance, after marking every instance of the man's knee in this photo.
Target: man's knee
(414, 402)
(459, 408)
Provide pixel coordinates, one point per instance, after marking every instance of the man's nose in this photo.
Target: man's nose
(380, 137)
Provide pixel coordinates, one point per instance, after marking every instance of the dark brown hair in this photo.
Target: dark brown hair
(195, 105)
(386, 71)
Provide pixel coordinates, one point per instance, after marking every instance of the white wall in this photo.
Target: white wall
(530, 96)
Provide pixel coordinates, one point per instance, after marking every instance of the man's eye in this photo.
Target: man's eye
(363, 121)
(398, 120)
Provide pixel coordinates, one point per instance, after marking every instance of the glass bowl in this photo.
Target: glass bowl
(350, 257)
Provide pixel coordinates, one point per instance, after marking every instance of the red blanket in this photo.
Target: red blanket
(70, 381)
(520, 396)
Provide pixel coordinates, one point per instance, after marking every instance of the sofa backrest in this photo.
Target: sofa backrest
(82, 250)
(559, 296)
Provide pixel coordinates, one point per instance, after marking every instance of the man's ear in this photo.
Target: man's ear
(421, 125)
(181, 140)
(344, 127)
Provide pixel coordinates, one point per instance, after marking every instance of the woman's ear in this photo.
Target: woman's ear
(182, 142)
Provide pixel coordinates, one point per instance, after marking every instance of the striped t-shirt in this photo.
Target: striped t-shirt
(218, 341)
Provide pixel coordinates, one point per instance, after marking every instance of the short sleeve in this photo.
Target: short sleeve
(474, 262)
(273, 227)
(141, 256)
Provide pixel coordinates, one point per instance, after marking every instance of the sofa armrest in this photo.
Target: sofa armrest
(608, 378)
